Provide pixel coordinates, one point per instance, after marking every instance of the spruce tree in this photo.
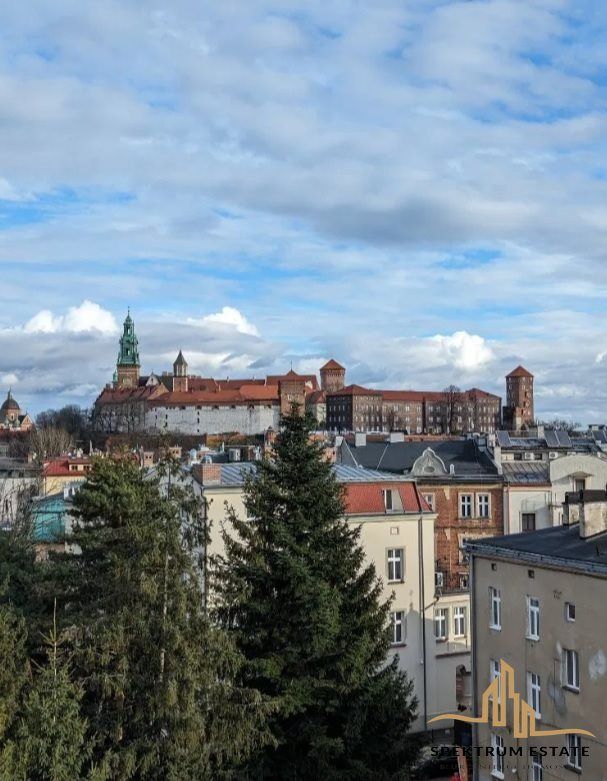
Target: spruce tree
(48, 742)
(158, 679)
(306, 611)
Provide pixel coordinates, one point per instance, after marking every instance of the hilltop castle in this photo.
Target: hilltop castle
(185, 403)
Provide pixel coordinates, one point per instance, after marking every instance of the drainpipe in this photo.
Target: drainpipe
(422, 613)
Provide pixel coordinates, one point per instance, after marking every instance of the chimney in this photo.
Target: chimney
(451, 469)
(360, 439)
(207, 474)
(589, 509)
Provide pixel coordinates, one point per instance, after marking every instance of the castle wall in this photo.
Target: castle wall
(213, 419)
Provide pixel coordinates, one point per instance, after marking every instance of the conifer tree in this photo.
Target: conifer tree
(157, 678)
(305, 609)
(49, 738)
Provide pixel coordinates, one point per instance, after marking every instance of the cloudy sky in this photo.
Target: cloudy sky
(417, 189)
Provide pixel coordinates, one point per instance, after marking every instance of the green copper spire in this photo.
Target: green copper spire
(128, 355)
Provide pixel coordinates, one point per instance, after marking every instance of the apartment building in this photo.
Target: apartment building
(538, 627)
(430, 632)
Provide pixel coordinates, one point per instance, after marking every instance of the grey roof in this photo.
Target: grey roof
(557, 438)
(553, 439)
(600, 436)
(234, 474)
(503, 439)
(463, 454)
(521, 472)
(559, 546)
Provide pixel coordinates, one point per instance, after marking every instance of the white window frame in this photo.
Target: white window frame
(533, 618)
(537, 769)
(534, 693)
(571, 682)
(574, 746)
(395, 562)
(398, 623)
(460, 621)
(568, 612)
(430, 500)
(466, 505)
(441, 619)
(497, 764)
(481, 498)
(495, 671)
(388, 500)
(439, 579)
(495, 607)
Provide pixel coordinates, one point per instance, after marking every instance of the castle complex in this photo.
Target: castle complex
(184, 403)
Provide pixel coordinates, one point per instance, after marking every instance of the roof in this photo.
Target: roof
(355, 390)
(557, 546)
(332, 364)
(242, 395)
(399, 457)
(275, 379)
(520, 371)
(123, 395)
(60, 467)
(367, 498)
(521, 473)
(10, 402)
(316, 397)
(180, 360)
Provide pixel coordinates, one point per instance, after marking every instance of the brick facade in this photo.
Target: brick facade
(451, 529)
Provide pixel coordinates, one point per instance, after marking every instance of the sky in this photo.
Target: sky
(417, 189)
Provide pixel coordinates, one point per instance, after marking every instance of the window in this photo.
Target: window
(388, 499)
(571, 669)
(439, 579)
(397, 622)
(574, 747)
(429, 499)
(533, 618)
(464, 582)
(497, 742)
(459, 621)
(483, 505)
(465, 506)
(528, 522)
(533, 693)
(536, 767)
(580, 484)
(494, 672)
(395, 564)
(441, 616)
(569, 611)
(495, 597)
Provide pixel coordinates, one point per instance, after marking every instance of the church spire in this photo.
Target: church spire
(127, 366)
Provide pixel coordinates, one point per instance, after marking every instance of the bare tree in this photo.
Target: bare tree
(49, 442)
(450, 408)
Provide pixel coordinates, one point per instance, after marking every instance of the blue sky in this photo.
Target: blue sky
(416, 189)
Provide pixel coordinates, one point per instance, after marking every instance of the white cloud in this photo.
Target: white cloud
(9, 379)
(230, 318)
(89, 316)
(463, 350)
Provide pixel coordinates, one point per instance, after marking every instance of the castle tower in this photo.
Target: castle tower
(332, 376)
(127, 366)
(292, 390)
(519, 411)
(180, 374)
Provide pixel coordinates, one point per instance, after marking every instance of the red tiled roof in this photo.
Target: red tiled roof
(242, 395)
(316, 397)
(332, 364)
(355, 390)
(61, 467)
(119, 395)
(275, 379)
(520, 371)
(363, 498)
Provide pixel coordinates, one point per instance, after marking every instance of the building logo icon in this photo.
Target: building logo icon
(494, 709)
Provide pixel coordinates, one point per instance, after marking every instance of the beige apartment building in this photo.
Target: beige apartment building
(538, 607)
(430, 633)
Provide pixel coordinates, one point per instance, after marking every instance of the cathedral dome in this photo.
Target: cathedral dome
(10, 404)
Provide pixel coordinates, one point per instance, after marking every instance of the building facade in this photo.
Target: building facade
(519, 412)
(355, 408)
(12, 417)
(538, 626)
(397, 536)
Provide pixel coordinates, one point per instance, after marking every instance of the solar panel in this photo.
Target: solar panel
(503, 439)
(552, 439)
(563, 437)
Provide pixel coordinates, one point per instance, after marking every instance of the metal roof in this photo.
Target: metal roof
(519, 472)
